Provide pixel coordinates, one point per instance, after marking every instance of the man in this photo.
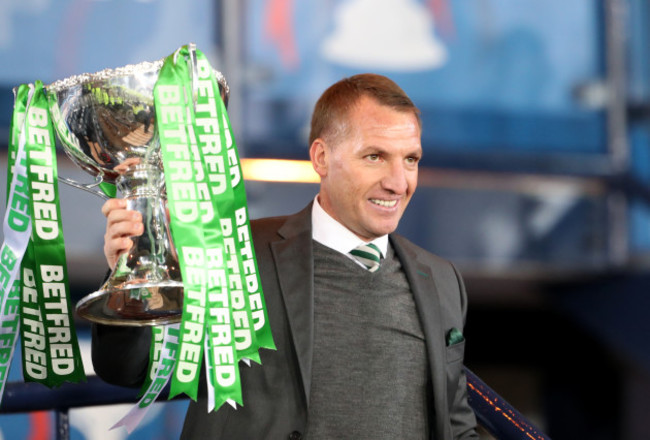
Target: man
(363, 352)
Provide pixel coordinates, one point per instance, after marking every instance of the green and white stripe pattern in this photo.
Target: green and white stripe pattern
(367, 254)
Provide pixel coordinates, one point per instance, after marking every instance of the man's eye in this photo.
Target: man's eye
(373, 157)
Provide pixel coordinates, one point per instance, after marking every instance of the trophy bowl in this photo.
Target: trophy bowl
(106, 124)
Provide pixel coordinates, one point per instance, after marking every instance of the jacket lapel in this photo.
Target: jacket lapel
(293, 255)
(427, 302)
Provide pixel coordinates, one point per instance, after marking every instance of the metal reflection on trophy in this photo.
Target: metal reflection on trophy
(106, 124)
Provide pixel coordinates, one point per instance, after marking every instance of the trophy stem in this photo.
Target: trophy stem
(152, 255)
(145, 287)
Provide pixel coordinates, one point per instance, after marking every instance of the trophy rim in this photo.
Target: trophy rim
(92, 307)
(104, 74)
(126, 70)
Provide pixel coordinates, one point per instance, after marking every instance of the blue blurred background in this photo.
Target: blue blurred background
(535, 179)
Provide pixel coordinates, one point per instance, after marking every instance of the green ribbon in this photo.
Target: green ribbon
(245, 248)
(51, 352)
(157, 332)
(209, 224)
(15, 129)
(109, 189)
(229, 336)
(212, 141)
(184, 178)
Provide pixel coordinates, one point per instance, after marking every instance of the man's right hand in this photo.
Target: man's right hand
(121, 224)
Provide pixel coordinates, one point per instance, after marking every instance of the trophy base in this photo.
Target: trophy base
(137, 306)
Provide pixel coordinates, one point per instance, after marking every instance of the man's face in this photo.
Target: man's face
(369, 176)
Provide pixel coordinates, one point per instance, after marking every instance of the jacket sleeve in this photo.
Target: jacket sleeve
(463, 420)
(120, 355)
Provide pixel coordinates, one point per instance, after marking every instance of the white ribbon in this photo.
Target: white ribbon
(15, 244)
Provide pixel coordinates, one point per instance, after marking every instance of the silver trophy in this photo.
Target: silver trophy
(106, 124)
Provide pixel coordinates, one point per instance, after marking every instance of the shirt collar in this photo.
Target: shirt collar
(334, 235)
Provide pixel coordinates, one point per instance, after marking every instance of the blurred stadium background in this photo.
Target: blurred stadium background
(535, 179)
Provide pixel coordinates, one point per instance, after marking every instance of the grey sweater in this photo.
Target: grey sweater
(369, 376)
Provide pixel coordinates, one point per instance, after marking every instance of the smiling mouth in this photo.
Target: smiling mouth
(384, 203)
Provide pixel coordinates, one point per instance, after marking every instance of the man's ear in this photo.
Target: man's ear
(319, 154)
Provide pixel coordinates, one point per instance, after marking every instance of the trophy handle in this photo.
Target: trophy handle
(88, 187)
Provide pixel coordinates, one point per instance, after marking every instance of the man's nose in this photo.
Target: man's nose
(395, 179)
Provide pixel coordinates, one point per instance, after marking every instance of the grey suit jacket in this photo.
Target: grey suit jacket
(276, 393)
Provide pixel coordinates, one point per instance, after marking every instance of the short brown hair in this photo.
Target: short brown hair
(331, 110)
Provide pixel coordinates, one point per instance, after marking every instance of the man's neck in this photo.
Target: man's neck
(331, 233)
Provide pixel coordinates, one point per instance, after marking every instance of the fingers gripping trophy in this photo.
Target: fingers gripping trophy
(107, 125)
